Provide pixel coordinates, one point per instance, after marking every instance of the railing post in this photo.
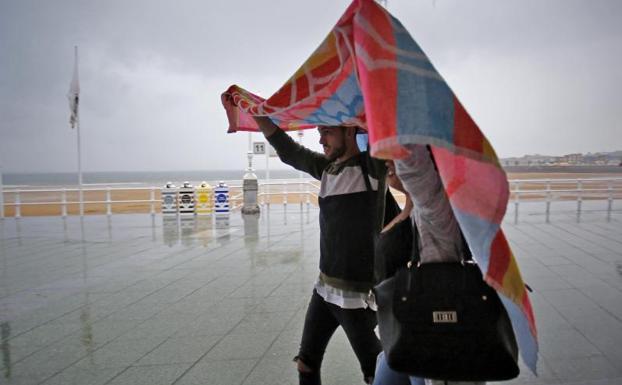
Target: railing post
(516, 200)
(284, 194)
(579, 196)
(548, 199)
(108, 202)
(81, 199)
(64, 203)
(610, 200)
(308, 195)
(18, 204)
(152, 197)
(1, 196)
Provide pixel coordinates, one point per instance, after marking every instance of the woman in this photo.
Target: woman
(396, 254)
(440, 239)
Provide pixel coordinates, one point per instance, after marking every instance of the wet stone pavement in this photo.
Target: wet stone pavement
(136, 299)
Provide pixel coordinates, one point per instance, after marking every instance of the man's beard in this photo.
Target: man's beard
(336, 153)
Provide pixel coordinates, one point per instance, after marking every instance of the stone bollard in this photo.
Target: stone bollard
(250, 189)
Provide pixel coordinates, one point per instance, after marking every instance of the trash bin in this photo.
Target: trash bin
(169, 199)
(204, 203)
(221, 199)
(186, 199)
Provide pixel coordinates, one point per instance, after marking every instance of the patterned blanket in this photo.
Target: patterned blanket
(369, 72)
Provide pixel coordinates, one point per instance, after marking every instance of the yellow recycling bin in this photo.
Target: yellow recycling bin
(204, 201)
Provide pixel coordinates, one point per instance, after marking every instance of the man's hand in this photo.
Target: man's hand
(266, 126)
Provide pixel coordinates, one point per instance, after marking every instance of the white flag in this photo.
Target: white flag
(74, 93)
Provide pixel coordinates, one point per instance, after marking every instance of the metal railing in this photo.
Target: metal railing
(567, 190)
(302, 191)
(102, 200)
(99, 199)
(66, 198)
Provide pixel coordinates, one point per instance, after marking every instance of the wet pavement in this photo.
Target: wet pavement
(136, 299)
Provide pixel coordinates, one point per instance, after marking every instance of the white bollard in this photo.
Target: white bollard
(250, 188)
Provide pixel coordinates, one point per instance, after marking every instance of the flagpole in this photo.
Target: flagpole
(80, 194)
(74, 91)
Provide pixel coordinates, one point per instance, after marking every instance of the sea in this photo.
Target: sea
(137, 178)
(159, 178)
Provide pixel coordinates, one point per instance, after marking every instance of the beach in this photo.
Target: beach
(39, 201)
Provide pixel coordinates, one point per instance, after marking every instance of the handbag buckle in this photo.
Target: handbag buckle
(445, 317)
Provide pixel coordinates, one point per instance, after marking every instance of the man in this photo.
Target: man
(347, 200)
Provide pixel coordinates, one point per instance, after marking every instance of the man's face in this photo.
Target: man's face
(332, 139)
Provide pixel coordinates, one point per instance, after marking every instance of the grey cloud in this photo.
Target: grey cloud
(151, 73)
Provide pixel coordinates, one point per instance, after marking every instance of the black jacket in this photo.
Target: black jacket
(347, 211)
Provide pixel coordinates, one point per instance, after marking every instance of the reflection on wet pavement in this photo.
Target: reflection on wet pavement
(5, 347)
(132, 299)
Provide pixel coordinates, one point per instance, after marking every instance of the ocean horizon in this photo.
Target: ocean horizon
(159, 178)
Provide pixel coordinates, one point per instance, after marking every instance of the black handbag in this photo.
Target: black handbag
(443, 321)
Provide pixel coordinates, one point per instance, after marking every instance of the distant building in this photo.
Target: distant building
(594, 159)
(572, 159)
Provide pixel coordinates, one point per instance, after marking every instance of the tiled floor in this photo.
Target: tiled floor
(133, 299)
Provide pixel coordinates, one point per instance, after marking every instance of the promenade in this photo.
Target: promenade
(140, 299)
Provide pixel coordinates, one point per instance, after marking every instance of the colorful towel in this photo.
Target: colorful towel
(369, 72)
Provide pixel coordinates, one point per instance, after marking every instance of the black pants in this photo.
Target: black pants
(321, 321)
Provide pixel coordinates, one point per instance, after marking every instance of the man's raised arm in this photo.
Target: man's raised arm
(266, 125)
(290, 152)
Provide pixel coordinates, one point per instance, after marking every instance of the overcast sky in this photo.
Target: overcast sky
(538, 76)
